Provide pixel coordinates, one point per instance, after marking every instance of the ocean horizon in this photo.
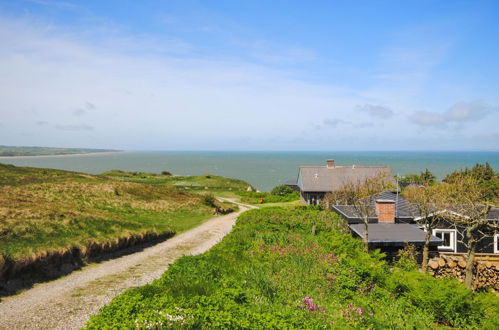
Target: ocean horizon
(262, 169)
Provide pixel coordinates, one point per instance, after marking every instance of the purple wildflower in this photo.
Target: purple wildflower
(309, 302)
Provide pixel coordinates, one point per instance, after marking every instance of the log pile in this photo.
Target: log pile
(486, 273)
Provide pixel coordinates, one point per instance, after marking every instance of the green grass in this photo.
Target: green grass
(11, 175)
(281, 204)
(262, 198)
(274, 272)
(48, 211)
(205, 182)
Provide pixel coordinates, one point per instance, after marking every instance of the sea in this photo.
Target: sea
(262, 169)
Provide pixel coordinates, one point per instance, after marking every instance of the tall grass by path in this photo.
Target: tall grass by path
(297, 268)
(51, 214)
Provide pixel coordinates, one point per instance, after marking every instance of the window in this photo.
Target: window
(448, 236)
(496, 243)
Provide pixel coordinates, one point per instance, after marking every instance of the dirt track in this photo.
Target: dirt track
(67, 303)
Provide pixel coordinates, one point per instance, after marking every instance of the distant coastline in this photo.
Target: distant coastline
(32, 151)
(62, 155)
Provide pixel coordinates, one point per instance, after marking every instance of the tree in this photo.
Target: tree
(486, 178)
(426, 178)
(469, 215)
(426, 200)
(360, 194)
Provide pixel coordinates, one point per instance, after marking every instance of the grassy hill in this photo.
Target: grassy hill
(49, 216)
(297, 269)
(45, 151)
(202, 182)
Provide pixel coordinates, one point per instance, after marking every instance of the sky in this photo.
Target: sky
(250, 75)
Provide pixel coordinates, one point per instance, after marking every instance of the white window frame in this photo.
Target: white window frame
(496, 239)
(452, 239)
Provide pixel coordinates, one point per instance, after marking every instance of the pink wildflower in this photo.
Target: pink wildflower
(309, 302)
(360, 311)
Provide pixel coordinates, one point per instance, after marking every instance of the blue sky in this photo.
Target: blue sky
(250, 75)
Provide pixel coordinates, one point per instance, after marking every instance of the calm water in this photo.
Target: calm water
(264, 170)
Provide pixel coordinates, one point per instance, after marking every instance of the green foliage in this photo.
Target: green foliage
(253, 197)
(446, 300)
(282, 190)
(200, 182)
(209, 200)
(487, 177)
(407, 258)
(426, 178)
(275, 271)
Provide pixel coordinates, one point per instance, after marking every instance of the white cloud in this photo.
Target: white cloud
(463, 112)
(129, 92)
(374, 110)
(79, 127)
(333, 122)
(154, 100)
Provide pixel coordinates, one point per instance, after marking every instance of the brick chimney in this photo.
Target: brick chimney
(385, 210)
(330, 163)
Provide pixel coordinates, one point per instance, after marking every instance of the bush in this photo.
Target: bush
(282, 190)
(407, 258)
(448, 301)
(209, 200)
(166, 173)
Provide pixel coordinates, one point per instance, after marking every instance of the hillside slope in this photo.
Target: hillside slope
(52, 217)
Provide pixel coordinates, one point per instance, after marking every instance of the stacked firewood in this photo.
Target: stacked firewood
(486, 274)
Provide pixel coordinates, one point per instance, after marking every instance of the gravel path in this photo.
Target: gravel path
(68, 302)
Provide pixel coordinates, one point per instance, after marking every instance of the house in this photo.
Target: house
(391, 224)
(314, 182)
(454, 242)
(394, 222)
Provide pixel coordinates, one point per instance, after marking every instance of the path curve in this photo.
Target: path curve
(67, 303)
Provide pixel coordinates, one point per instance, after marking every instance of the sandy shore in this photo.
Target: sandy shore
(65, 155)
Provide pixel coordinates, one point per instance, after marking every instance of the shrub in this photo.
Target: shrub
(282, 190)
(209, 200)
(166, 173)
(407, 258)
(448, 301)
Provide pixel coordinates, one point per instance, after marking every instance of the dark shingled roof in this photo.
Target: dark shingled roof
(403, 208)
(325, 179)
(393, 234)
(493, 214)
